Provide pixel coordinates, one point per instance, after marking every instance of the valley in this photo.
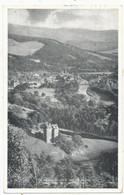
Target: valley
(62, 107)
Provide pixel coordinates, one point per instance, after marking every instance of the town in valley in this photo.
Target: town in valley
(62, 107)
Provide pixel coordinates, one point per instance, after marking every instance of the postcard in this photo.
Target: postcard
(62, 99)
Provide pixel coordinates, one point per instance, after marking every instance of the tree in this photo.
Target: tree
(36, 93)
(108, 162)
(17, 109)
(44, 170)
(20, 167)
(64, 144)
(65, 172)
(22, 87)
(43, 94)
(78, 140)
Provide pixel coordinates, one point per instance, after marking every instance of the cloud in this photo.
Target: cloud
(36, 15)
(50, 21)
(96, 19)
(18, 16)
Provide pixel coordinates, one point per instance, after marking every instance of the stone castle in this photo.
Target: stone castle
(46, 131)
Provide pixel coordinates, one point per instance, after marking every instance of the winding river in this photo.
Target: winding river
(90, 96)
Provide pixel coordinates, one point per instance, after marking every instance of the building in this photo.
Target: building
(46, 131)
(50, 133)
(56, 130)
(34, 84)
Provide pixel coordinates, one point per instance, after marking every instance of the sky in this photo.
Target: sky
(95, 19)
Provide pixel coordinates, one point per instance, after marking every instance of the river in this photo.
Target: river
(89, 96)
(83, 90)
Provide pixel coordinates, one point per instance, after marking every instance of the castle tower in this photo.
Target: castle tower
(56, 130)
(48, 133)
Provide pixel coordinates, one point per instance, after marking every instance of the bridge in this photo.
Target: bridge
(94, 73)
(66, 131)
(84, 134)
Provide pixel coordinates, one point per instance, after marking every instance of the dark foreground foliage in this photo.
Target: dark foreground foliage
(32, 171)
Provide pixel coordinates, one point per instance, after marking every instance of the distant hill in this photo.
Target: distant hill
(53, 55)
(83, 38)
(96, 46)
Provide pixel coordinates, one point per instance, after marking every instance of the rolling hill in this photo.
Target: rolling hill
(51, 54)
(83, 38)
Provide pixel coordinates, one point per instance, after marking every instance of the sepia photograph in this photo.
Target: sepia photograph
(62, 98)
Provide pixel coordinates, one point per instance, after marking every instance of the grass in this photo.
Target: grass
(37, 146)
(24, 48)
(20, 111)
(95, 147)
(99, 56)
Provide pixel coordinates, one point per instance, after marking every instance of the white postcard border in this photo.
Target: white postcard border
(5, 73)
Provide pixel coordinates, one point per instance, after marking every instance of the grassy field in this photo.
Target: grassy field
(20, 111)
(114, 51)
(24, 48)
(95, 147)
(47, 91)
(99, 56)
(37, 146)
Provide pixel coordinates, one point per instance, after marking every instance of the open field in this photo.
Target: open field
(47, 91)
(99, 56)
(24, 48)
(37, 146)
(95, 147)
(20, 111)
(114, 52)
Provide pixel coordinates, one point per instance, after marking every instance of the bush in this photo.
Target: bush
(78, 140)
(108, 162)
(64, 144)
(22, 87)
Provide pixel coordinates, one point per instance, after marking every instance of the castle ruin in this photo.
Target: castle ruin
(47, 132)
